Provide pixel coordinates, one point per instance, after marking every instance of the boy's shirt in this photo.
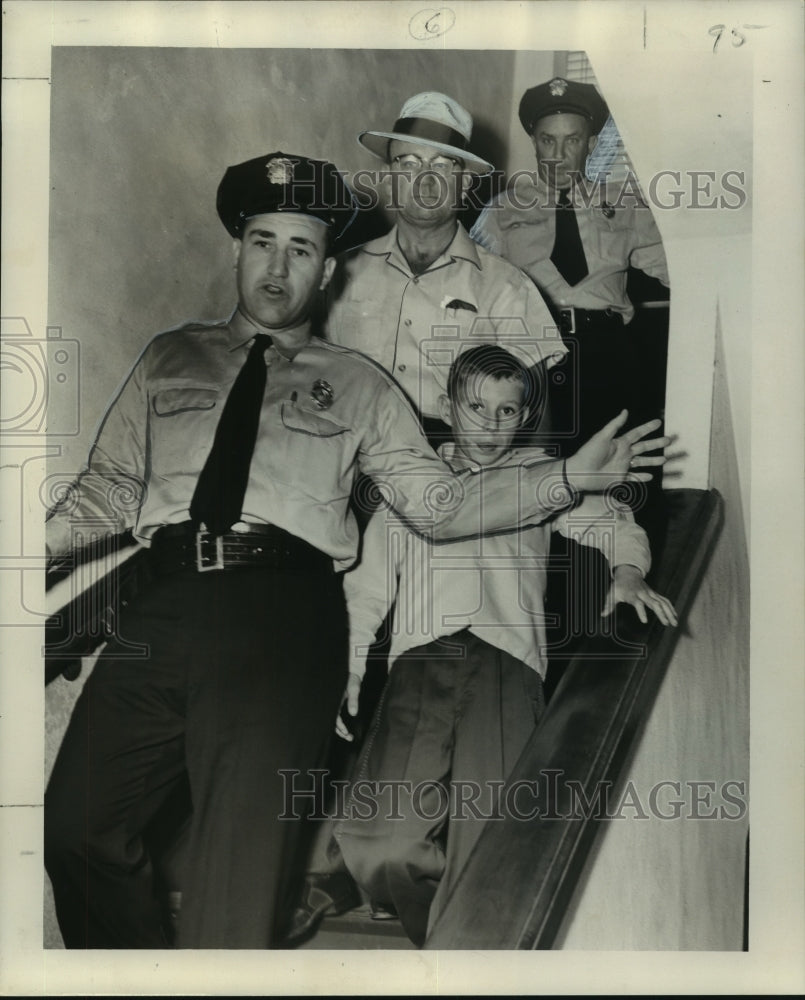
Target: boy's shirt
(494, 585)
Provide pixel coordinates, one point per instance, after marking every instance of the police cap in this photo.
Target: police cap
(560, 96)
(284, 182)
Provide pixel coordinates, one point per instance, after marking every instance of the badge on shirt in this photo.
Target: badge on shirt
(608, 210)
(322, 394)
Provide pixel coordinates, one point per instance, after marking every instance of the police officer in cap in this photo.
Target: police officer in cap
(235, 445)
(577, 240)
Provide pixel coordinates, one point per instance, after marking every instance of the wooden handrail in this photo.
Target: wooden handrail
(520, 878)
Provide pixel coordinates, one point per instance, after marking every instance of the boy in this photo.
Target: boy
(467, 663)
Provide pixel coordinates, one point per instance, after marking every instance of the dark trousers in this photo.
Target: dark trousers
(244, 677)
(599, 377)
(444, 726)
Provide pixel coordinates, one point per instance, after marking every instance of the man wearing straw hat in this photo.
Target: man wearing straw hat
(415, 298)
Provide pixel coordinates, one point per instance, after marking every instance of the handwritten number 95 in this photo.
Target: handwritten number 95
(718, 30)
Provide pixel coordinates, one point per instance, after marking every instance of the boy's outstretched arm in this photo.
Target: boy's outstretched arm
(629, 587)
(605, 459)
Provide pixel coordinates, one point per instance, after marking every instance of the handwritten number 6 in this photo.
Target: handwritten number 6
(737, 38)
(436, 27)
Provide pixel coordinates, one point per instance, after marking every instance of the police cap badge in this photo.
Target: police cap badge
(282, 182)
(560, 96)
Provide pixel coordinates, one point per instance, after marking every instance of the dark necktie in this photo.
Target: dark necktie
(568, 253)
(218, 499)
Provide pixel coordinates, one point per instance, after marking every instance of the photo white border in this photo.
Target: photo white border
(774, 962)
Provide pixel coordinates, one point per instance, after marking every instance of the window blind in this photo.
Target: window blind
(609, 160)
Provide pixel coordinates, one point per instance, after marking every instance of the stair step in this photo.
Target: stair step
(356, 929)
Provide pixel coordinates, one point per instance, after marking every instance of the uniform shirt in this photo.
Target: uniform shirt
(156, 436)
(494, 585)
(416, 325)
(520, 225)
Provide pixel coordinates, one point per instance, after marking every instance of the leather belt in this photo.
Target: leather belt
(182, 547)
(572, 320)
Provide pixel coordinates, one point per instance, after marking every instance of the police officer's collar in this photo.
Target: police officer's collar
(552, 195)
(243, 330)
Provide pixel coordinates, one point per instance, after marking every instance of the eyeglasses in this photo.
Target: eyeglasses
(410, 164)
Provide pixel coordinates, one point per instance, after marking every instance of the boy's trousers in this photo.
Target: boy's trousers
(452, 721)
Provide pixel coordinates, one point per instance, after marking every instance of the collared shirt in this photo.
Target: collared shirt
(415, 325)
(156, 436)
(494, 585)
(520, 225)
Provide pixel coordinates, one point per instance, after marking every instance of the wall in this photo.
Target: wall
(678, 884)
(709, 246)
(530, 68)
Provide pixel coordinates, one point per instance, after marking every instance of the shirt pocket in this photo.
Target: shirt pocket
(182, 424)
(611, 237)
(310, 422)
(175, 400)
(315, 453)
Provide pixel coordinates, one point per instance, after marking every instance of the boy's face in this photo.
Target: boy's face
(485, 416)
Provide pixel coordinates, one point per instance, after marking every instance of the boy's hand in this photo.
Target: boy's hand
(353, 689)
(629, 587)
(606, 460)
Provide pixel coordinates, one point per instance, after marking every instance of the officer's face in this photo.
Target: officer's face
(562, 143)
(281, 264)
(424, 185)
(485, 416)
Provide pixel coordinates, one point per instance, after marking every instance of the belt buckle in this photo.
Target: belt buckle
(571, 312)
(203, 536)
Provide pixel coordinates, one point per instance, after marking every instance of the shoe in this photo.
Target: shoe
(323, 894)
(378, 912)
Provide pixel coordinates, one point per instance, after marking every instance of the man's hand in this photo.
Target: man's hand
(629, 587)
(351, 693)
(606, 460)
(58, 538)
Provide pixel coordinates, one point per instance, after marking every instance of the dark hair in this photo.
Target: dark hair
(486, 360)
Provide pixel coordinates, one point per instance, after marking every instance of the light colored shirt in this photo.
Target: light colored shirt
(616, 232)
(415, 325)
(157, 433)
(494, 585)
